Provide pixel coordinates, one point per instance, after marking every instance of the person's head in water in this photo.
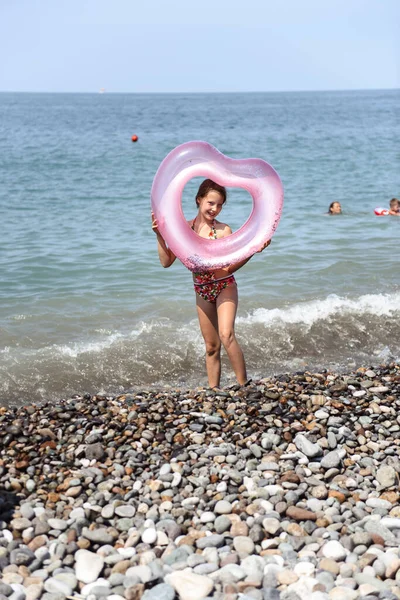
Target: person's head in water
(335, 208)
(394, 206)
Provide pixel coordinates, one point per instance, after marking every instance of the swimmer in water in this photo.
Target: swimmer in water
(394, 207)
(335, 208)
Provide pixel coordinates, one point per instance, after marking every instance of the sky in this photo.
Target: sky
(204, 46)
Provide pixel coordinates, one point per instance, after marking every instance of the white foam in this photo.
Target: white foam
(78, 348)
(308, 313)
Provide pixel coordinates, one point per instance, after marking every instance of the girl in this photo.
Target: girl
(216, 291)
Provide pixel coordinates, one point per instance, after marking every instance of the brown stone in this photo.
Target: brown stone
(53, 497)
(22, 464)
(196, 534)
(83, 543)
(135, 592)
(323, 521)
(296, 530)
(244, 585)
(239, 528)
(251, 509)
(286, 577)
(121, 567)
(32, 581)
(366, 560)
(49, 444)
(320, 492)
(377, 539)
(291, 477)
(71, 535)
(230, 559)
(187, 540)
(327, 564)
(230, 588)
(391, 497)
(339, 496)
(300, 514)
(270, 552)
(38, 542)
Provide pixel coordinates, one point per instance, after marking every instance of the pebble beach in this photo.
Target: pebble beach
(286, 488)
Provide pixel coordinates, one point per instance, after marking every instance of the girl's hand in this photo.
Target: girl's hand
(154, 224)
(264, 246)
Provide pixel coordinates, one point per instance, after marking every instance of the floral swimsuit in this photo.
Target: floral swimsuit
(204, 283)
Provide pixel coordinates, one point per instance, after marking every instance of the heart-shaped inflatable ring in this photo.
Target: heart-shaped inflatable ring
(200, 159)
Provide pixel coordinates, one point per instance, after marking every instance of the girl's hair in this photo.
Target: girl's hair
(207, 186)
(331, 205)
(393, 200)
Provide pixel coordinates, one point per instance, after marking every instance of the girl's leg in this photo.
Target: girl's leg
(207, 313)
(227, 303)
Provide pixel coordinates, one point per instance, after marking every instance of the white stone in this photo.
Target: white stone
(88, 566)
(223, 507)
(143, 572)
(34, 591)
(149, 536)
(391, 522)
(193, 500)
(243, 545)
(189, 585)
(303, 587)
(321, 414)
(127, 552)
(54, 586)
(304, 568)
(162, 539)
(334, 550)
(76, 513)
(176, 480)
(207, 517)
(378, 503)
(343, 593)
(165, 469)
(271, 525)
(87, 589)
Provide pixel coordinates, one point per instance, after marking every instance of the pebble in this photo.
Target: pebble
(284, 489)
(88, 565)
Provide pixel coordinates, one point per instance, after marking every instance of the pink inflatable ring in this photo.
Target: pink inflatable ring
(200, 159)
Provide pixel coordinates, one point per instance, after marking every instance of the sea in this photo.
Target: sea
(86, 307)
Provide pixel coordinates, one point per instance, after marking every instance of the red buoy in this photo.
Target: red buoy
(134, 138)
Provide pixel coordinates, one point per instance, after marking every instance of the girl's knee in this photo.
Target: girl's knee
(213, 349)
(227, 337)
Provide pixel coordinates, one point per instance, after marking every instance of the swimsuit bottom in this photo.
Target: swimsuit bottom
(210, 289)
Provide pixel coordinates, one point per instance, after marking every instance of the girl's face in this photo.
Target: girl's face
(211, 205)
(336, 208)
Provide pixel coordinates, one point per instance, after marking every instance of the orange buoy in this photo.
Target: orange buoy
(134, 138)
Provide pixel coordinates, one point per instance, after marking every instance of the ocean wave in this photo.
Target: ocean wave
(334, 332)
(308, 313)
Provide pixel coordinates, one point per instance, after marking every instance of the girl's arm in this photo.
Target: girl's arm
(166, 256)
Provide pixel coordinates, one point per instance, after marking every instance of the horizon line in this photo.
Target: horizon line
(103, 91)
